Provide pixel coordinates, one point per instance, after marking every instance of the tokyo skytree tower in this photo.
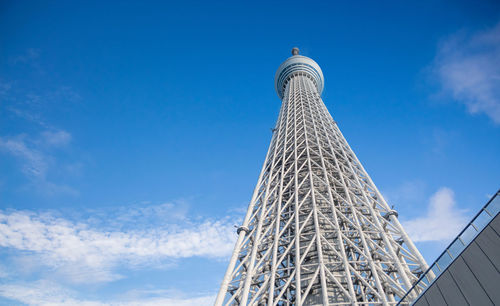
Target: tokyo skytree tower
(317, 230)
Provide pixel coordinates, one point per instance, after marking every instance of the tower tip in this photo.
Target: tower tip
(295, 51)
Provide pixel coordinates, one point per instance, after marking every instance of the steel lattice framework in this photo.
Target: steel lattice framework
(317, 230)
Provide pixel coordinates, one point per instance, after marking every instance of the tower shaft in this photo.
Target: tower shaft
(317, 230)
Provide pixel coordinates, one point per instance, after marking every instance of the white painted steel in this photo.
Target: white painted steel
(294, 64)
(317, 230)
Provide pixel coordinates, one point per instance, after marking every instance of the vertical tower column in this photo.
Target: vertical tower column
(317, 230)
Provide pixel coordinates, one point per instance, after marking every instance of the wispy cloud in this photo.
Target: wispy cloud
(41, 156)
(55, 138)
(36, 157)
(83, 253)
(405, 194)
(468, 68)
(3, 272)
(28, 115)
(46, 293)
(34, 105)
(28, 56)
(33, 161)
(443, 220)
(4, 88)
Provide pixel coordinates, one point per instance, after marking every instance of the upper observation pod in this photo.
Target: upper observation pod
(298, 65)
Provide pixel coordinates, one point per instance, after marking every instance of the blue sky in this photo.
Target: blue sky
(132, 134)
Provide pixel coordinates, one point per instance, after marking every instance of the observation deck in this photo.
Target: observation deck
(298, 65)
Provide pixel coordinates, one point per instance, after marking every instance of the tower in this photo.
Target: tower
(317, 230)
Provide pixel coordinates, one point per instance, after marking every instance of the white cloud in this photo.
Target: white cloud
(442, 222)
(151, 214)
(28, 56)
(34, 163)
(69, 254)
(36, 156)
(83, 254)
(4, 88)
(47, 293)
(38, 293)
(3, 272)
(56, 138)
(468, 68)
(405, 194)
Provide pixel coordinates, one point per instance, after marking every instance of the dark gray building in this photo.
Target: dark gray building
(468, 271)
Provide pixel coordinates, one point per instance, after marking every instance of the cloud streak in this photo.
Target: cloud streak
(84, 253)
(56, 138)
(45, 293)
(34, 164)
(28, 56)
(442, 222)
(37, 157)
(468, 69)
